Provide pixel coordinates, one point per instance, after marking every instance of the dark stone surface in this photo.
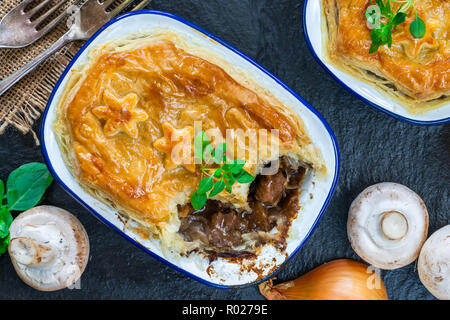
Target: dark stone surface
(374, 148)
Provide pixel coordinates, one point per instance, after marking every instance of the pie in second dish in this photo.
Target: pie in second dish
(415, 72)
(126, 115)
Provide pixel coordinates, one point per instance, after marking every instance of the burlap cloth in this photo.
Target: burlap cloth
(22, 104)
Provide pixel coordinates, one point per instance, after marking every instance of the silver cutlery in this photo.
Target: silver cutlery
(23, 26)
(87, 20)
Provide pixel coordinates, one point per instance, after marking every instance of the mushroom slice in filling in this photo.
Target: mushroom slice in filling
(273, 201)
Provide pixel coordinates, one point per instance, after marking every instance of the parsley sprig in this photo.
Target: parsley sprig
(381, 34)
(25, 189)
(220, 172)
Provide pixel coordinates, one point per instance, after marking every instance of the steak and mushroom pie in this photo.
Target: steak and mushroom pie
(126, 125)
(410, 63)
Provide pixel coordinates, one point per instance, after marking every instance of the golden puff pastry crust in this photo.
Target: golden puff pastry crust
(123, 112)
(415, 72)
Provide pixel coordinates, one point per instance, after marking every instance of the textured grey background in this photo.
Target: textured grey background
(374, 148)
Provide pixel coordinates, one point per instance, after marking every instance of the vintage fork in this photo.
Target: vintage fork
(19, 28)
(92, 15)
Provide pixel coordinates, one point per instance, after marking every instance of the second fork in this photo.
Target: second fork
(22, 26)
(92, 15)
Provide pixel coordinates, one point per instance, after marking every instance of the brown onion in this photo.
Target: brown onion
(342, 279)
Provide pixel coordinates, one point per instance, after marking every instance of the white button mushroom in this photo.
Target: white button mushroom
(387, 225)
(434, 264)
(49, 248)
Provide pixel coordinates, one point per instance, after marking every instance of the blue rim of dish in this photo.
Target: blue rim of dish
(228, 46)
(367, 101)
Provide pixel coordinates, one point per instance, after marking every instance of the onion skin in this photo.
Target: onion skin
(342, 279)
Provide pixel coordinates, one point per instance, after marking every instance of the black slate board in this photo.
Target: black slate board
(374, 148)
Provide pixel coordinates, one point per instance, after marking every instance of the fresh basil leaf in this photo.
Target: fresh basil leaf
(219, 152)
(26, 185)
(245, 177)
(201, 140)
(228, 186)
(229, 181)
(385, 34)
(418, 28)
(218, 188)
(374, 47)
(376, 36)
(230, 178)
(382, 34)
(380, 4)
(236, 166)
(218, 173)
(198, 200)
(389, 39)
(380, 37)
(226, 167)
(399, 18)
(387, 8)
(5, 221)
(205, 184)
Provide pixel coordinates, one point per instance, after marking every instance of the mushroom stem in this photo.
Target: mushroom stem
(394, 225)
(28, 252)
(387, 225)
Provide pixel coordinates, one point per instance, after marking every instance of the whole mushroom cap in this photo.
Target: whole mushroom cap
(387, 225)
(49, 248)
(434, 264)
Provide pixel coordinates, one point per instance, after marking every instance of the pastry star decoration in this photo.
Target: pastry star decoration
(177, 144)
(120, 115)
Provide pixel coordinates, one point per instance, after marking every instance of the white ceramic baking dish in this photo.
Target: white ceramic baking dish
(221, 273)
(312, 17)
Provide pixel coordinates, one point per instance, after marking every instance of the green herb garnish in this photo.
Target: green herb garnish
(25, 188)
(222, 176)
(384, 20)
(417, 28)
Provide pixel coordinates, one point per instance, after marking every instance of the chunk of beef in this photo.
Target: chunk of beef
(294, 170)
(295, 178)
(258, 219)
(288, 207)
(223, 230)
(270, 189)
(195, 227)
